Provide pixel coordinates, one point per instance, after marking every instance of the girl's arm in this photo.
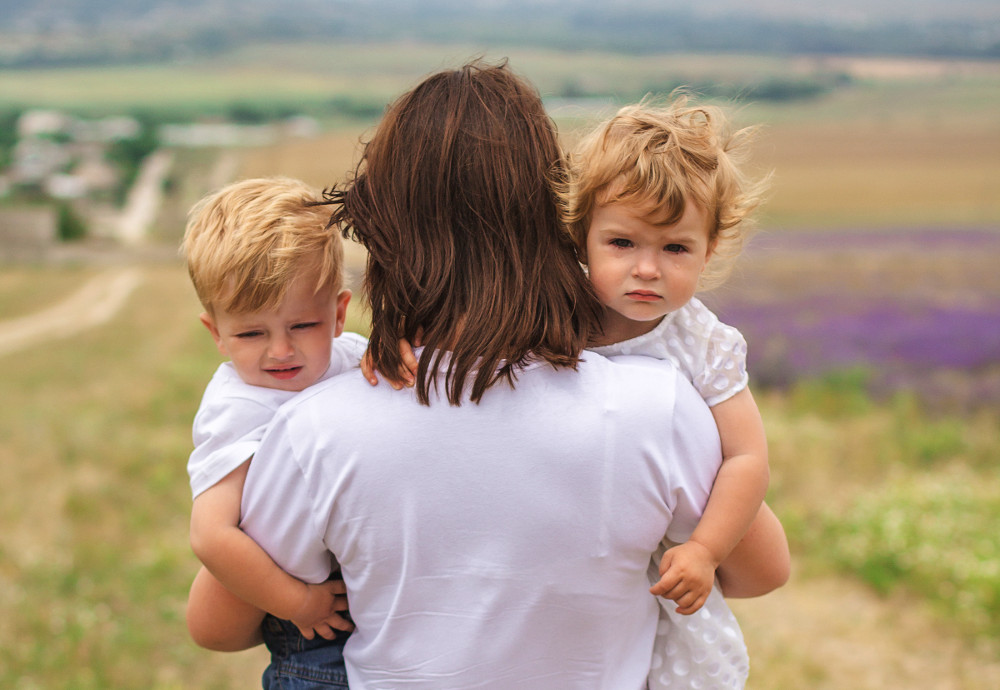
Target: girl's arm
(246, 570)
(688, 570)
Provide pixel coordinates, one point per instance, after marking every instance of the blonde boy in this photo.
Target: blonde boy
(658, 207)
(268, 272)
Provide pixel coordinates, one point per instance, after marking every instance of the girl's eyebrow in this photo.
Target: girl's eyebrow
(681, 239)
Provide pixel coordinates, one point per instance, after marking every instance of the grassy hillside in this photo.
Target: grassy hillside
(95, 564)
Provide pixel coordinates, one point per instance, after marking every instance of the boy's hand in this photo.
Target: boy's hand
(318, 613)
(403, 377)
(687, 573)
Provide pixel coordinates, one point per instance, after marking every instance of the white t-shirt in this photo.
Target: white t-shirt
(494, 545)
(233, 415)
(710, 353)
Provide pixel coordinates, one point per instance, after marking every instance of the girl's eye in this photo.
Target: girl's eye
(621, 242)
(675, 248)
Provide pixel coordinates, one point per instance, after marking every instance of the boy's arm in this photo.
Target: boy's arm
(688, 570)
(404, 377)
(246, 570)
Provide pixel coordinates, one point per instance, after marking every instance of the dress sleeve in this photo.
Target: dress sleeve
(720, 366)
(279, 508)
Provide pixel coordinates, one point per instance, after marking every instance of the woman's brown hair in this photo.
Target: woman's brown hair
(452, 199)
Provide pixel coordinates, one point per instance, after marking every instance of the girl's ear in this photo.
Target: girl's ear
(209, 323)
(712, 244)
(708, 255)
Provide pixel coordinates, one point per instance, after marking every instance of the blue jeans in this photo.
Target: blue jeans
(301, 664)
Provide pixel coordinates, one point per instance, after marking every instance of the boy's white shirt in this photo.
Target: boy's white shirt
(711, 354)
(233, 415)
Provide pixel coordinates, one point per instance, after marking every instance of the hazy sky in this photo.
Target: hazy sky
(838, 10)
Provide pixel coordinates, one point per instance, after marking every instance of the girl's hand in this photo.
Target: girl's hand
(319, 615)
(687, 573)
(403, 377)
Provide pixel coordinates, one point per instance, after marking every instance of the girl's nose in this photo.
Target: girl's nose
(646, 268)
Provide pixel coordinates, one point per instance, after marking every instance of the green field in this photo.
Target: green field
(882, 497)
(306, 74)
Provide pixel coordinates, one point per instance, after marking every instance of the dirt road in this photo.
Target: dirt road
(93, 304)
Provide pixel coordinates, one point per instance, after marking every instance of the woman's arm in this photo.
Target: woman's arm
(761, 562)
(219, 620)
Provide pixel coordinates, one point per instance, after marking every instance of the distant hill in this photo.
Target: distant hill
(97, 31)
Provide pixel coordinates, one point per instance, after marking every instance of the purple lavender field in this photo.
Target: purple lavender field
(918, 309)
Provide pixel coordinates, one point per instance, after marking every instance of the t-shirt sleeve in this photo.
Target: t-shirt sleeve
(226, 431)
(346, 353)
(719, 364)
(694, 438)
(278, 509)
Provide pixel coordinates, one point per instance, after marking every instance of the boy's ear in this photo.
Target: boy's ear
(340, 313)
(209, 323)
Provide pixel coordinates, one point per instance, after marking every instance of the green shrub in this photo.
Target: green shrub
(69, 225)
(929, 533)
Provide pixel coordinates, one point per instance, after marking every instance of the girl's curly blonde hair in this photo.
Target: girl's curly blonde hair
(664, 155)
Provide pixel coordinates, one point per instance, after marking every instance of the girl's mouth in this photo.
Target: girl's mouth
(643, 296)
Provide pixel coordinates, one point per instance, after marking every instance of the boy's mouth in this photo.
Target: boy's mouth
(284, 373)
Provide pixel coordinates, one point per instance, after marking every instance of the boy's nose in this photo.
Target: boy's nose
(280, 348)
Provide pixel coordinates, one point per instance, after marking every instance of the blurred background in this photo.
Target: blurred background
(870, 296)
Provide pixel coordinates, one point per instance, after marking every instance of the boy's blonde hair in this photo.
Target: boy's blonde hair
(663, 156)
(245, 244)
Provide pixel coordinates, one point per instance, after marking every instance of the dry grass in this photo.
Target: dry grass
(850, 176)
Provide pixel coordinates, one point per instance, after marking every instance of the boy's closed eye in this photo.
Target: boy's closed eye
(305, 325)
(249, 334)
